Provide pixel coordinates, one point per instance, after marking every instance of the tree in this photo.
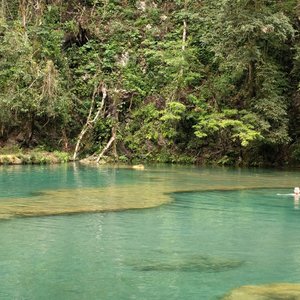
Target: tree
(33, 89)
(247, 39)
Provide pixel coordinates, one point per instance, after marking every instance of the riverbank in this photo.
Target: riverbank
(22, 157)
(38, 157)
(19, 156)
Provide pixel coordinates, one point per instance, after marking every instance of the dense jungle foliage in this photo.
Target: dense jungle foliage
(168, 81)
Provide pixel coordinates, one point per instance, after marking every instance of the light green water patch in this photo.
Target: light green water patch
(283, 291)
(149, 188)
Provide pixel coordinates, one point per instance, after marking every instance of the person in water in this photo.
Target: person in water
(296, 197)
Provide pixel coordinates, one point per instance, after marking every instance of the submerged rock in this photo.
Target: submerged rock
(279, 291)
(188, 264)
(152, 192)
(70, 201)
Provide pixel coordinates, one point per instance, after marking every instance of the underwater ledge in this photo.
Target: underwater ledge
(273, 291)
(100, 200)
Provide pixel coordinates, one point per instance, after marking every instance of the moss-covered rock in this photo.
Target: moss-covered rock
(279, 291)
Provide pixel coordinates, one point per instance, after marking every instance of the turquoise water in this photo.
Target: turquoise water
(199, 246)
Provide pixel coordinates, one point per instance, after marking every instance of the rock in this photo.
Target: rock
(138, 167)
(279, 291)
(16, 160)
(10, 160)
(197, 263)
(141, 5)
(84, 200)
(124, 59)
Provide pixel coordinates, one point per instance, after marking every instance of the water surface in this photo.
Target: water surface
(207, 231)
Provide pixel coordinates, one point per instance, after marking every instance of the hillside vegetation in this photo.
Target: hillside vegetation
(168, 81)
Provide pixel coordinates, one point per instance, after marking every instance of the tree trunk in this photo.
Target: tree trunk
(251, 78)
(90, 122)
(112, 139)
(38, 9)
(184, 33)
(23, 12)
(116, 121)
(3, 10)
(183, 49)
(65, 140)
(183, 46)
(114, 145)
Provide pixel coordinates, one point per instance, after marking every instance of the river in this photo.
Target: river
(167, 232)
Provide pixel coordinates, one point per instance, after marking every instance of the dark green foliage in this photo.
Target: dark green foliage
(212, 80)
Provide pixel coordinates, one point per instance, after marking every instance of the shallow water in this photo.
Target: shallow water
(208, 231)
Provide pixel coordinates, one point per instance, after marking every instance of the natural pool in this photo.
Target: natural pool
(169, 232)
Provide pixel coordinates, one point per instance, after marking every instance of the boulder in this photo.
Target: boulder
(138, 167)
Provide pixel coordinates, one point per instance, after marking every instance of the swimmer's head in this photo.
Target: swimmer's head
(296, 190)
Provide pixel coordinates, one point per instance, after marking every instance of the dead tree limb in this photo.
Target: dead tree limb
(115, 116)
(90, 122)
(112, 139)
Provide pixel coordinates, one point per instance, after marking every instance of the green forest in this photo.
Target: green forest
(207, 81)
